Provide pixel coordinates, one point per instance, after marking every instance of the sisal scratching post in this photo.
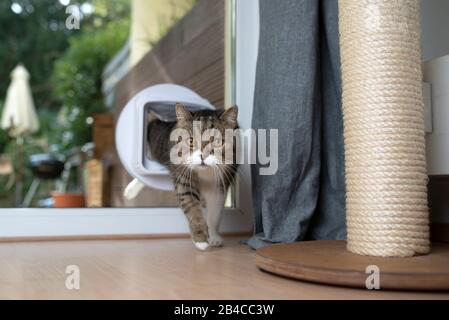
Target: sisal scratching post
(386, 202)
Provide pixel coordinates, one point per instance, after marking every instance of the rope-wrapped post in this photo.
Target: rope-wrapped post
(386, 180)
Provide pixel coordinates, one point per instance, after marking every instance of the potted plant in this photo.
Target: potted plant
(69, 191)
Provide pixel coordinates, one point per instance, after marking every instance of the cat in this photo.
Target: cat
(200, 172)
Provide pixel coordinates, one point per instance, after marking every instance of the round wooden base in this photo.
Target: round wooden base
(329, 262)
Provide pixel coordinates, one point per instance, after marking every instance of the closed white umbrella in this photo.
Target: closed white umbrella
(19, 118)
(19, 115)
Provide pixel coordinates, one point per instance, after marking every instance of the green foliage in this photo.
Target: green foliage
(76, 79)
(107, 11)
(65, 69)
(35, 37)
(4, 139)
(20, 156)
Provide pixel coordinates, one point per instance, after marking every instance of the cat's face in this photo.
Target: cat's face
(206, 141)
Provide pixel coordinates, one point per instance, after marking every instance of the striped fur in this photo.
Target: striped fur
(197, 182)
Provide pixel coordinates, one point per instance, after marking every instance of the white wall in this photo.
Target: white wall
(435, 49)
(435, 28)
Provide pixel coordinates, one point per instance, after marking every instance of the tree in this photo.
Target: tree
(77, 79)
(34, 35)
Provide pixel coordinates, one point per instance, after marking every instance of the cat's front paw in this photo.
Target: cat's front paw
(215, 240)
(201, 245)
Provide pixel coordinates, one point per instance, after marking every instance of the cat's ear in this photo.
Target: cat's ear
(182, 114)
(230, 116)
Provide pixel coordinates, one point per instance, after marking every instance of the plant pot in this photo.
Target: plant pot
(68, 200)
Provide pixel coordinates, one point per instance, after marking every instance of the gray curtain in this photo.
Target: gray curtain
(298, 92)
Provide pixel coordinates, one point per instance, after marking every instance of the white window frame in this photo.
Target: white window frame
(23, 223)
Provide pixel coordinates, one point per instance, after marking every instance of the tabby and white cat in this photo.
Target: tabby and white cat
(201, 173)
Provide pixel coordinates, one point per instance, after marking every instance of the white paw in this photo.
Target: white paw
(201, 245)
(215, 241)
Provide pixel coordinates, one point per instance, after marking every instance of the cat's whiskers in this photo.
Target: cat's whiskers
(240, 175)
(222, 177)
(228, 173)
(216, 176)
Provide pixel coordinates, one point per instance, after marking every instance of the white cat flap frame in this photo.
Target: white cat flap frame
(131, 133)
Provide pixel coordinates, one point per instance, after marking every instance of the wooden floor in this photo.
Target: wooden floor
(155, 269)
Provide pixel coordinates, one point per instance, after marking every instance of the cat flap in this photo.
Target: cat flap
(161, 100)
(166, 110)
(131, 129)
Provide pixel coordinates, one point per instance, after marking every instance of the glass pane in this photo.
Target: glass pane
(77, 66)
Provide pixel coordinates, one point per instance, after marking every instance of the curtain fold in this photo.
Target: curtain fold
(298, 92)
